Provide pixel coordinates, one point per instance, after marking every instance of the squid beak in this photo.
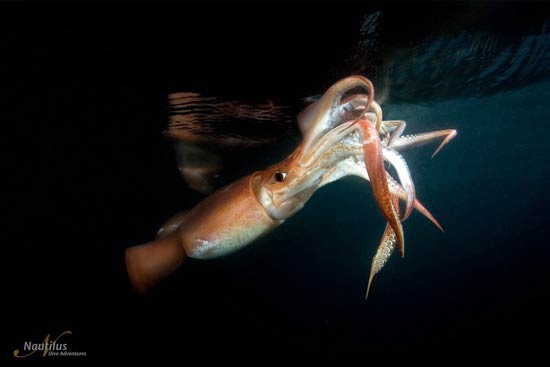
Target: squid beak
(372, 151)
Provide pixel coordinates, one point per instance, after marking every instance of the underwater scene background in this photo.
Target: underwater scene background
(89, 173)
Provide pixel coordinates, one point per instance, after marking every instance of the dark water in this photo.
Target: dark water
(89, 174)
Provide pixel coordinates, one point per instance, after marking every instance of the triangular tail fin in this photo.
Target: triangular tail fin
(149, 263)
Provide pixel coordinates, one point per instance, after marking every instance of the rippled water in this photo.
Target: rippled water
(470, 64)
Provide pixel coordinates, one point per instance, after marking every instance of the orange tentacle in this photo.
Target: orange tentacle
(374, 162)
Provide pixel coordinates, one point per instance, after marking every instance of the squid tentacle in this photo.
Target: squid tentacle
(416, 140)
(362, 102)
(319, 116)
(383, 252)
(350, 161)
(397, 160)
(387, 243)
(394, 128)
(372, 151)
(397, 190)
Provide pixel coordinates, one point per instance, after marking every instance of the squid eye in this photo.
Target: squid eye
(280, 176)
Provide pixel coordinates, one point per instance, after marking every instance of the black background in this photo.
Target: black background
(84, 87)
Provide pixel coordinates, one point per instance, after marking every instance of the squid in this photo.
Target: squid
(343, 134)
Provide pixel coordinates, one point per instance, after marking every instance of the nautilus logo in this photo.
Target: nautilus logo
(49, 347)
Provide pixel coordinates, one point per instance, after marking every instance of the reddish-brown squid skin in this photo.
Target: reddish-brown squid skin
(151, 262)
(374, 163)
(227, 220)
